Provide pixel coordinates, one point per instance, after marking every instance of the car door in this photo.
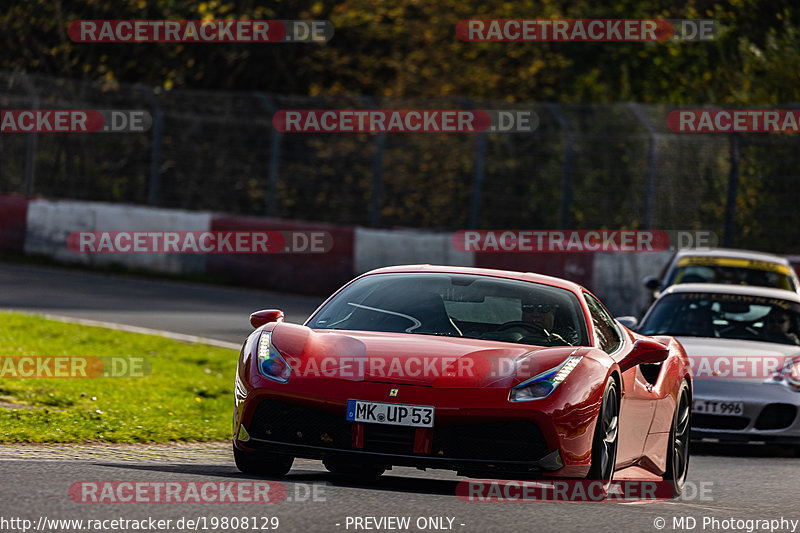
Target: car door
(637, 405)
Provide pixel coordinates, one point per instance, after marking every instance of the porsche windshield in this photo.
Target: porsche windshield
(732, 271)
(458, 305)
(727, 316)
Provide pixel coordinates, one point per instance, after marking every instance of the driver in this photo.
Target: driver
(777, 325)
(544, 315)
(541, 314)
(698, 322)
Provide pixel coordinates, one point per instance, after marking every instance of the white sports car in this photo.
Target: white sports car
(726, 266)
(744, 348)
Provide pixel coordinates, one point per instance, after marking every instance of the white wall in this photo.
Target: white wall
(50, 222)
(617, 276)
(618, 279)
(375, 248)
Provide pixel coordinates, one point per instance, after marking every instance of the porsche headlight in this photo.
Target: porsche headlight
(540, 386)
(790, 373)
(270, 363)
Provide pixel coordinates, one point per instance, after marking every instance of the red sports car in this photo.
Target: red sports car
(486, 372)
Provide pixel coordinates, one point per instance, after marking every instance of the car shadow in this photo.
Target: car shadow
(387, 482)
(744, 449)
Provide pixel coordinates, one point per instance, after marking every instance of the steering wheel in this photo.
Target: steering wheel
(535, 328)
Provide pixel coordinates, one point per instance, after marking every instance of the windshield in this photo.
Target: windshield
(731, 271)
(727, 316)
(458, 305)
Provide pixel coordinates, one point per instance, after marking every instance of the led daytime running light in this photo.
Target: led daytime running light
(270, 363)
(542, 385)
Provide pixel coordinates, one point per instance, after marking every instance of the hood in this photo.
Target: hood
(413, 359)
(734, 359)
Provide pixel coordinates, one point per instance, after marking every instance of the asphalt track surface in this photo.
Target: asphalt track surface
(747, 485)
(220, 313)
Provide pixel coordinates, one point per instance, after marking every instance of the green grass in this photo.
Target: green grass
(186, 395)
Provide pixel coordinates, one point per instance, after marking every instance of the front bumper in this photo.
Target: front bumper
(771, 412)
(468, 440)
(549, 463)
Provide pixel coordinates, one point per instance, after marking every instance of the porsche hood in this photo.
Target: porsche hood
(734, 359)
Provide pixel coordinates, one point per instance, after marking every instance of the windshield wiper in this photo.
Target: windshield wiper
(441, 334)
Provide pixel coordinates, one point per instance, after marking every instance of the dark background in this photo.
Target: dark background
(602, 156)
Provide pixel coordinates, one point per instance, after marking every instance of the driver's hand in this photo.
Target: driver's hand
(559, 339)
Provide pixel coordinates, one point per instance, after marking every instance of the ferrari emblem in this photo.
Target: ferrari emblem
(393, 393)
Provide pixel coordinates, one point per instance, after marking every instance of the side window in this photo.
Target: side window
(604, 327)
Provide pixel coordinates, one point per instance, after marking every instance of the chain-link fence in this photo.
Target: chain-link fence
(584, 167)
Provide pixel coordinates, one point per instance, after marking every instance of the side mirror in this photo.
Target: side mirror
(265, 316)
(629, 322)
(652, 283)
(644, 352)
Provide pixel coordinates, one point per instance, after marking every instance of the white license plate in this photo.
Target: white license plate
(390, 413)
(709, 407)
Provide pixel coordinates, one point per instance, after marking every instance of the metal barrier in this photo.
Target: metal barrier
(584, 167)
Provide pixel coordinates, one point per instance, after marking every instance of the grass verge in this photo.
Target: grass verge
(186, 394)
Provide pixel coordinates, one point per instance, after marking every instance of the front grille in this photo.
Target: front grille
(493, 441)
(776, 416)
(705, 421)
(295, 424)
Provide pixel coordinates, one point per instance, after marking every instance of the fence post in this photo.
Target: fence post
(733, 188)
(154, 186)
(477, 181)
(652, 164)
(377, 180)
(32, 139)
(478, 176)
(275, 145)
(377, 171)
(569, 154)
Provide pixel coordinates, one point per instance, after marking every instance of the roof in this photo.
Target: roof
(719, 288)
(730, 252)
(508, 274)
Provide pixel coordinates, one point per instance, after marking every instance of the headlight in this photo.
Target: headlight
(270, 363)
(542, 385)
(790, 373)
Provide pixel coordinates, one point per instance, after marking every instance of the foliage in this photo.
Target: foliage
(408, 48)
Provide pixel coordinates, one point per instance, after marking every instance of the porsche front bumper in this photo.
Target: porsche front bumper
(770, 412)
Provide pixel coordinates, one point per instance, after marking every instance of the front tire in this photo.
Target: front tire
(606, 433)
(680, 436)
(262, 464)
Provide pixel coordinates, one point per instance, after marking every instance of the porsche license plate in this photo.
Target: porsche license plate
(390, 413)
(708, 407)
